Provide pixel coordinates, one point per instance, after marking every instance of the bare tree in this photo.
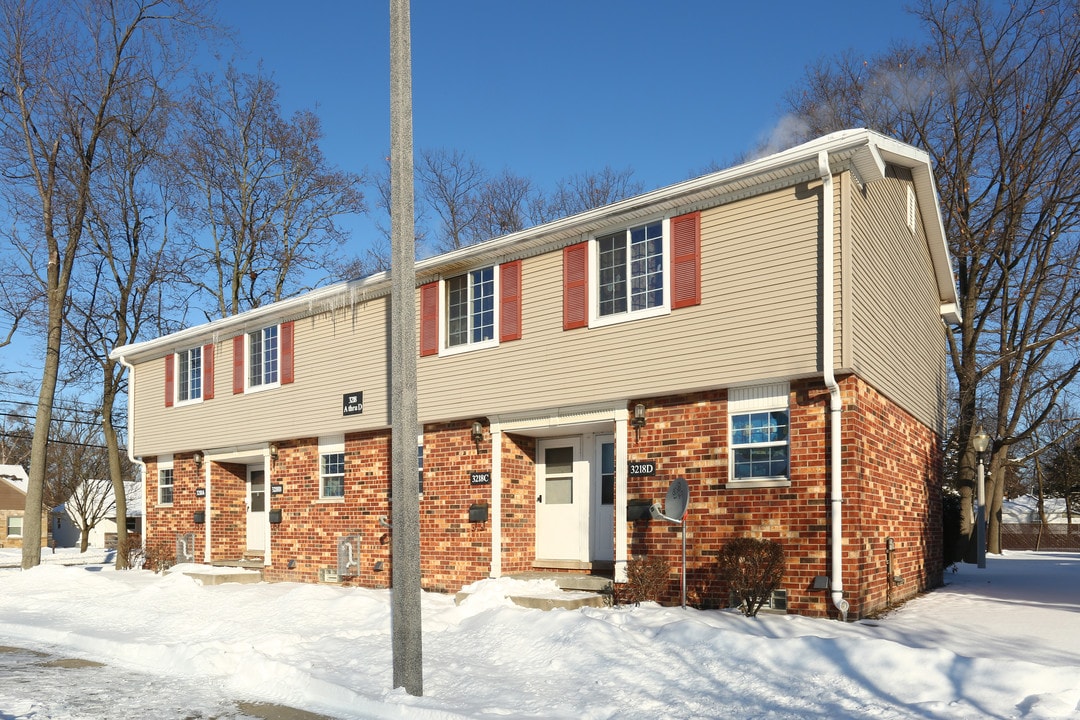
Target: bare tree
(579, 193)
(266, 197)
(122, 288)
(450, 184)
(63, 66)
(992, 95)
(505, 205)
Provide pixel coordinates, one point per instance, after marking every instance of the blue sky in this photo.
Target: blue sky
(553, 88)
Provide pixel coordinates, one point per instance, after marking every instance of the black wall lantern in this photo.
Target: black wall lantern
(477, 434)
(638, 420)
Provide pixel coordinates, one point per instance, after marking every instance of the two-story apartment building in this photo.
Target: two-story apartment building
(773, 333)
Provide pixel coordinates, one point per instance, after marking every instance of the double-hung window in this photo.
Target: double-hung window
(470, 308)
(263, 357)
(760, 438)
(634, 272)
(14, 526)
(332, 467)
(165, 483)
(477, 309)
(189, 375)
(631, 270)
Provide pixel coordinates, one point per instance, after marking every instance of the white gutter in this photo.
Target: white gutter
(131, 440)
(836, 499)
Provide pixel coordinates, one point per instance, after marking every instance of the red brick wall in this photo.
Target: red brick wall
(164, 523)
(311, 527)
(891, 475)
(896, 492)
(455, 552)
(891, 488)
(518, 503)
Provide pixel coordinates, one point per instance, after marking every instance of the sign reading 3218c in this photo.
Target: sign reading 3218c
(642, 468)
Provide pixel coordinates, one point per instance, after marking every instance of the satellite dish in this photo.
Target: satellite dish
(678, 496)
(674, 509)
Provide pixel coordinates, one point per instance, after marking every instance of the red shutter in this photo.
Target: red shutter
(208, 372)
(286, 353)
(429, 319)
(170, 372)
(238, 364)
(686, 260)
(510, 301)
(575, 286)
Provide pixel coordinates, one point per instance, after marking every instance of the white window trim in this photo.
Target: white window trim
(597, 320)
(248, 387)
(165, 462)
(757, 398)
(445, 348)
(7, 526)
(177, 402)
(331, 444)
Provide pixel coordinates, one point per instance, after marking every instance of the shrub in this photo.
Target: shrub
(752, 569)
(647, 579)
(158, 557)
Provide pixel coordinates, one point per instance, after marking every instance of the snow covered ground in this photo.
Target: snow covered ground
(1002, 642)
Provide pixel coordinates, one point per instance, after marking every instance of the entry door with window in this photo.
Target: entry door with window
(256, 509)
(561, 497)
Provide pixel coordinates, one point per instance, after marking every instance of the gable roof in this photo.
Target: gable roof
(863, 152)
(132, 494)
(15, 475)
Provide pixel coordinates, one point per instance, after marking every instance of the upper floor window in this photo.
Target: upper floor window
(470, 307)
(263, 357)
(760, 437)
(633, 272)
(189, 375)
(631, 269)
(480, 308)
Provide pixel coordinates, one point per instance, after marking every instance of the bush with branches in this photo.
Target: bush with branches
(647, 577)
(752, 569)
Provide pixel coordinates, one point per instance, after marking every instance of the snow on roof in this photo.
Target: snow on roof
(16, 475)
(1025, 509)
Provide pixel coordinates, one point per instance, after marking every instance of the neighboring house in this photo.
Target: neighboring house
(13, 484)
(94, 501)
(773, 333)
(1022, 528)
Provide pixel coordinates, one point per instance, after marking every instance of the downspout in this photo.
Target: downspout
(131, 440)
(836, 498)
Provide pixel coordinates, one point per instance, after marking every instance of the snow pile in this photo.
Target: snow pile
(999, 642)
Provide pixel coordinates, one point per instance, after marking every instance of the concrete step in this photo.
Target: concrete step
(575, 591)
(569, 581)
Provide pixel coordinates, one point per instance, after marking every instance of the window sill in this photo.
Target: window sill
(331, 500)
(185, 403)
(764, 483)
(468, 347)
(164, 505)
(599, 321)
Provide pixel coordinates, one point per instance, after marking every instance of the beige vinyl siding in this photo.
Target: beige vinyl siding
(335, 352)
(757, 320)
(897, 333)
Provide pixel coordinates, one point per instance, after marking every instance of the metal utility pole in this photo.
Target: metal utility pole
(407, 638)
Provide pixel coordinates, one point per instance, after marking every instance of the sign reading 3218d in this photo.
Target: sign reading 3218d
(352, 403)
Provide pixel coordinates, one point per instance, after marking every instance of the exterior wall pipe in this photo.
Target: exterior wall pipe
(836, 498)
(131, 439)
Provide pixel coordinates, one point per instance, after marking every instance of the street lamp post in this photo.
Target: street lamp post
(981, 442)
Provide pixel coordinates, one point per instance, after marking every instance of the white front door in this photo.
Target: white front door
(256, 508)
(602, 512)
(561, 497)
